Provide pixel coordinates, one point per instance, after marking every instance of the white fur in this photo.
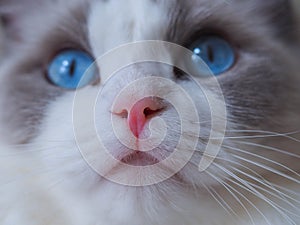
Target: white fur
(52, 184)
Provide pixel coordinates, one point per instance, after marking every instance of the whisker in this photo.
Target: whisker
(258, 194)
(260, 179)
(269, 148)
(270, 134)
(267, 135)
(283, 195)
(264, 132)
(287, 190)
(269, 169)
(228, 187)
(265, 166)
(220, 200)
(231, 193)
(200, 122)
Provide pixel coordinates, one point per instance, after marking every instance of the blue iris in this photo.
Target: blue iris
(71, 69)
(216, 52)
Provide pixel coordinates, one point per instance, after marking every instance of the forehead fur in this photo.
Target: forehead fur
(147, 19)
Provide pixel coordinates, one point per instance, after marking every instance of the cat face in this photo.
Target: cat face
(258, 91)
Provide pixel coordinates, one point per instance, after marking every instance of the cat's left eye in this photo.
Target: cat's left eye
(72, 69)
(215, 51)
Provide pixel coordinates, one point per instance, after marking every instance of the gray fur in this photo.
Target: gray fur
(261, 90)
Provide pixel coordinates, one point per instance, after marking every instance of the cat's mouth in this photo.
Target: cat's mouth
(139, 158)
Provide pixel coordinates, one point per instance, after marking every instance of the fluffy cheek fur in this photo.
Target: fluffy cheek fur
(66, 178)
(112, 203)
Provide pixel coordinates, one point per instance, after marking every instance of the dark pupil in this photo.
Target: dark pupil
(210, 54)
(72, 67)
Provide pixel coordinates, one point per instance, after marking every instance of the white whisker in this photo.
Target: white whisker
(287, 134)
(228, 187)
(260, 179)
(258, 194)
(221, 201)
(265, 166)
(283, 195)
(269, 148)
(270, 134)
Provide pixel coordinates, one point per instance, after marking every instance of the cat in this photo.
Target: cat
(51, 170)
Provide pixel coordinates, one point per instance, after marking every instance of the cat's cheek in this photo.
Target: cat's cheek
(83, 188)
(56, 135)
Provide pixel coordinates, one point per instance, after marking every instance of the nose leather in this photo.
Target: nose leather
(141, 113)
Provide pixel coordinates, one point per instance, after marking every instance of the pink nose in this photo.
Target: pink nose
(141, 113)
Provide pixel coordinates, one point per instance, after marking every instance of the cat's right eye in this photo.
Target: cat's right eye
(215, 51)
(72, 69)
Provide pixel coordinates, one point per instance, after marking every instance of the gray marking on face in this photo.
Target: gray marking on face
(256, 88)
(27, 90)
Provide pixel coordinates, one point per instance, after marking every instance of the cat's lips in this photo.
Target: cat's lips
(139, 158)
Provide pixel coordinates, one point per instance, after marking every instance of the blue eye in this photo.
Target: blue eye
(71, 69)
(215, 52)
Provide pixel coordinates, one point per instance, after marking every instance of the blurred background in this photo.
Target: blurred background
(297, 7)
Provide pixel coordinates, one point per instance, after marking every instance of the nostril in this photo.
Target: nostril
(123, 114)
(150, 112)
